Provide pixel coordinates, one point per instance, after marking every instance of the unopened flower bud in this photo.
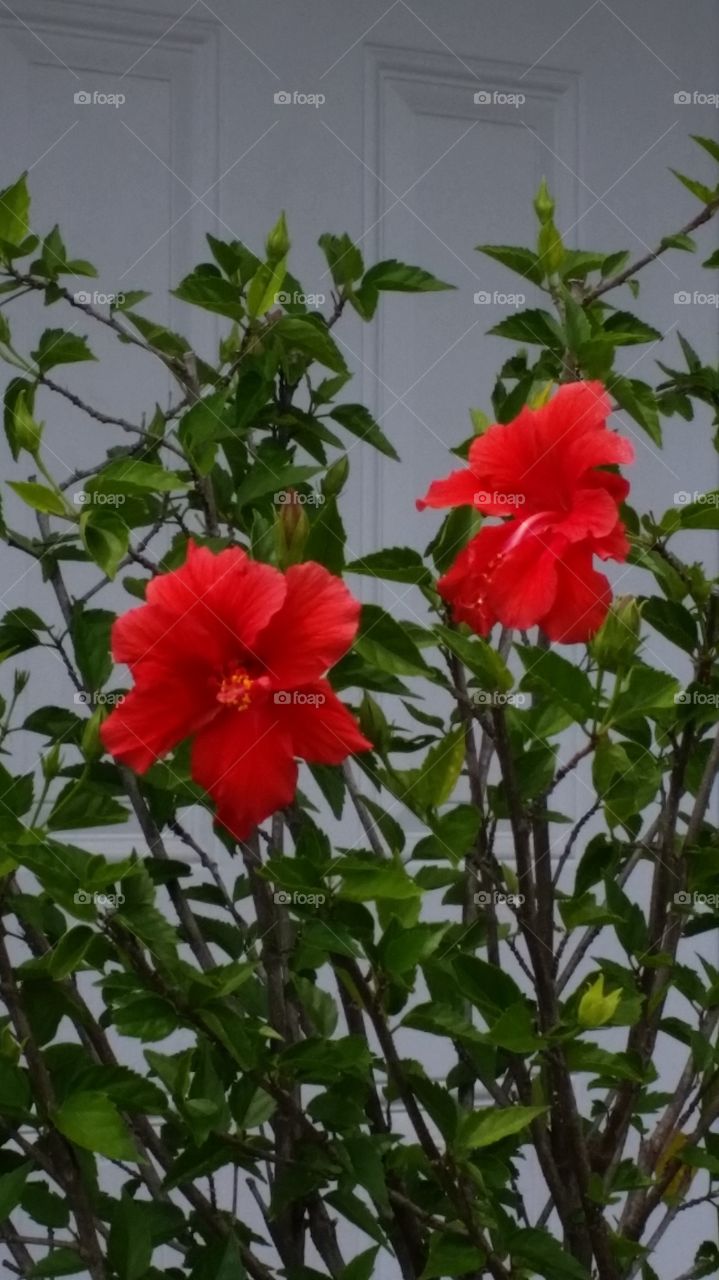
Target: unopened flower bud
(292, 528)
(617, 639)
(596, 1008)
(277, 243)
(543, 202)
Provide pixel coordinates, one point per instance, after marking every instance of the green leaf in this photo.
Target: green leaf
(360, 1268)
(452, 1255)
(432, 784)
(106, 538)
(15, 212)
(343, 258)
(387, 645)
(706, 194)
(212, 293)
(39, 497)
(129, 1249)
(136, 474)
(673, 621)
(395, 564)
(545, 1255)
(80, 804)
(398, 277)
(91, 1121)
(90, 631)
(57, 346)
(557, 679)
(67, 954)
(484, 1128)
(19, 632)
(534, 326)
(61, 1262)
(646, 691)
(359, 421)
(524, 261)
(640, 402)
(311, 338)
(479, 657)
(11, 1188)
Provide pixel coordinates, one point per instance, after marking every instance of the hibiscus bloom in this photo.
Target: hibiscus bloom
(232, 654)
(545, 471)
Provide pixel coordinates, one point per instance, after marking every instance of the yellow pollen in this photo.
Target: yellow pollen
(236, 690)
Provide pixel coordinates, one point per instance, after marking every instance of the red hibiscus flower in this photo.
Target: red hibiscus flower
(545, 472)
(232, 654)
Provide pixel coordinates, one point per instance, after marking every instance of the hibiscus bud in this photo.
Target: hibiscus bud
(336, 477)
(617, 640)
(596, 1008)
(292, 529)
(90, 743)
(51, 763)
(277, 243)
(543, 202)
(27, 432)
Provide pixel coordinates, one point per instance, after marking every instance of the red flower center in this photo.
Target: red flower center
(235, 689)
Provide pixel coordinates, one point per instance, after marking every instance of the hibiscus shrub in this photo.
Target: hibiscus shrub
(406, 914)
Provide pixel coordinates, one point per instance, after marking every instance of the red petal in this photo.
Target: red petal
(158, 714)
(455, 490)
(211, 608)
(594, 514)
(466, 584)
(524, 584)
(582, 600)
(245, 761)
(322, 730)
(314, 628)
